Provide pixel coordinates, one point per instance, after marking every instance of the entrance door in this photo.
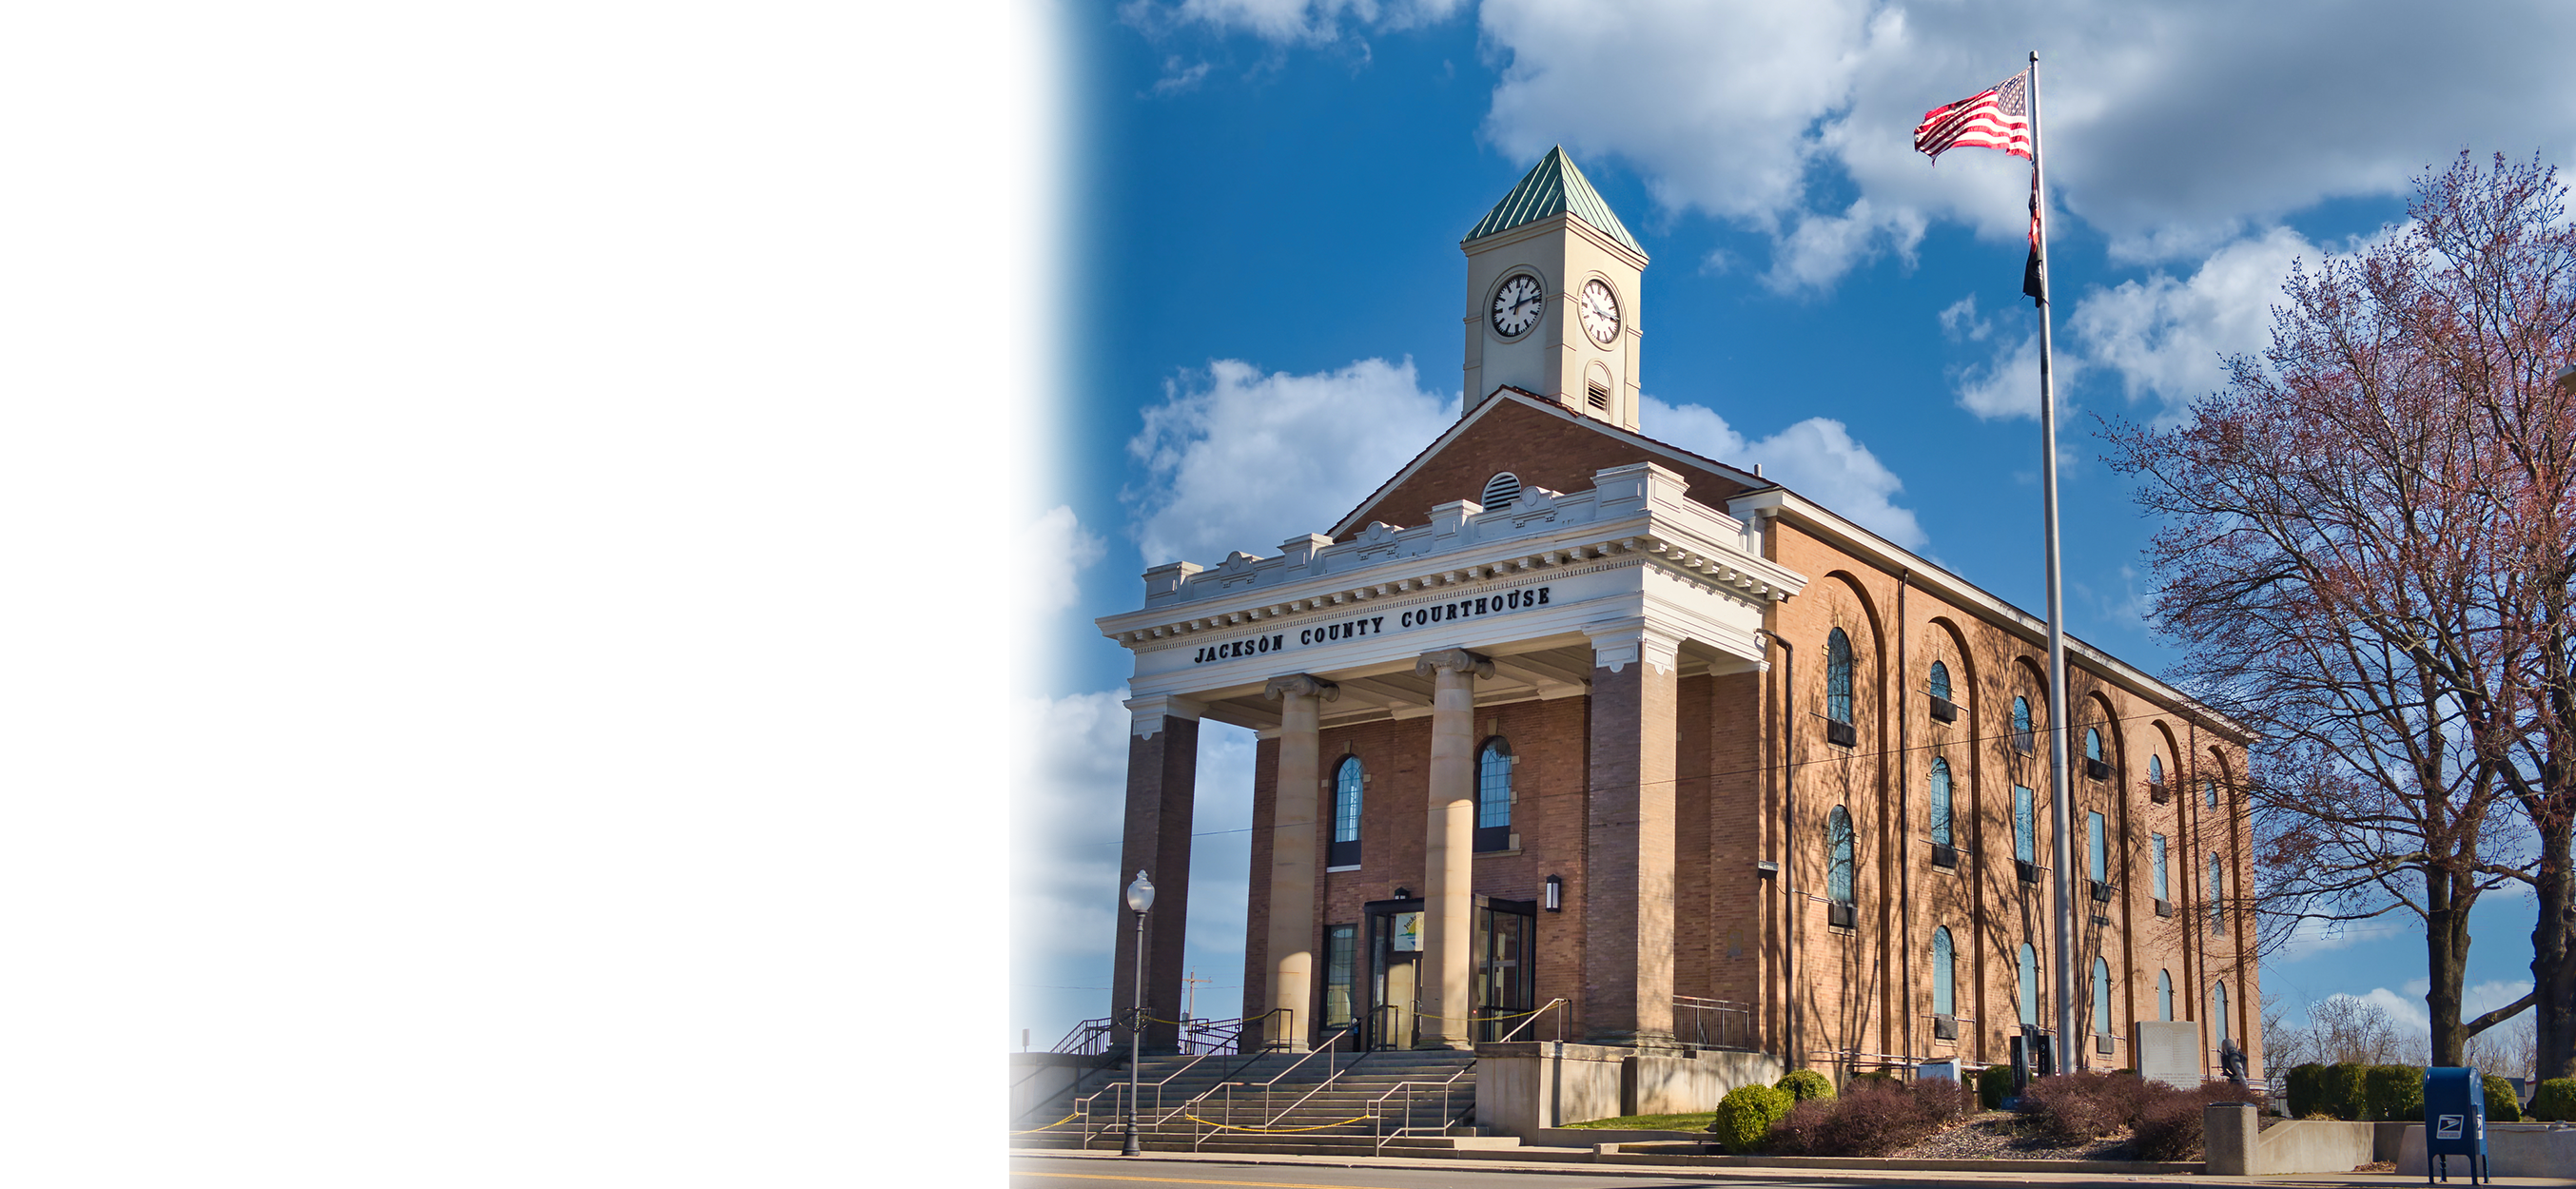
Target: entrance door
(1394, 961)
(1502, 979)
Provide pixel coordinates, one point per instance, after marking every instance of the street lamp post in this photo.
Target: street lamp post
(1140, 896)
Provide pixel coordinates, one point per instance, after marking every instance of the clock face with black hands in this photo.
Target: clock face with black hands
(1600, 312)
(1517, 305)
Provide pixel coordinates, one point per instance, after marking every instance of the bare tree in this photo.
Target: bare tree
(2328, 567)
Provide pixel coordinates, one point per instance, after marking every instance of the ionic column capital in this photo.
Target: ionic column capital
(1303, 685)
(1454, 660)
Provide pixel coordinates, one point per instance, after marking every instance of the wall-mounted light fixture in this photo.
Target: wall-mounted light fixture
(1553, 899)
(1766, 868)
(1404, 893)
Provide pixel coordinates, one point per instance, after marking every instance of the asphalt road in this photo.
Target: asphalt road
(1146, 1172)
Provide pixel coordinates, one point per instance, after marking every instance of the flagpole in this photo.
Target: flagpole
(2060, 801)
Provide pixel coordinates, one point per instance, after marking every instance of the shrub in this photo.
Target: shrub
(1804, 1085)
(1746, 1114)
(2394, 1093)
(2306, 1085)
(2078, 1107)
(1875, 1117)
(1994, 1083)
(2554, 1101)
(2168, 1124)
(2502, 1105)
(2342, 1094)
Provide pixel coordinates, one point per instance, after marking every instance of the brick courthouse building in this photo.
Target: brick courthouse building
(1563, 712)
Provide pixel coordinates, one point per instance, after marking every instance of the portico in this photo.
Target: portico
(1606, 594)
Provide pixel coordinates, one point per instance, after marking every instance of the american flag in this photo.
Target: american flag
(1995, 118)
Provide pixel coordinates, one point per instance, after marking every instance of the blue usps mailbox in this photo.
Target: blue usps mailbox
(2455, 1122)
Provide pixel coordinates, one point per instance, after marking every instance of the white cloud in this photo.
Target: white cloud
(1068, 793)
(1959, 320)
(2406, 1011)
(2171, 129)
(2008, 384)
(2477, 999)
(1824, 247)
(1178, 79)
(2165, 338)
(1238, 460)
(1054, 549)
(1288, 21)
(1815, 457)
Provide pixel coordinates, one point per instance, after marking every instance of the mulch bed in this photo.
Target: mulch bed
(2003, 1135)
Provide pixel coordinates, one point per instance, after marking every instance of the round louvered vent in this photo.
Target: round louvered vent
(1501, 490)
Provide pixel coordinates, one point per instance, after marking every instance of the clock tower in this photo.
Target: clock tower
(1552, 296)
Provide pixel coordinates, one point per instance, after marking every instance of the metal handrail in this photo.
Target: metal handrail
(1377, 1116)
(1532, 1018)
(1326, 1047)
(1199, 1137)
(1378, 1031)
(1700, 1009)
(1082, 1107)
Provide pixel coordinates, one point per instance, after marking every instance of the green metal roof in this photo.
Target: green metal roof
(1553, 187)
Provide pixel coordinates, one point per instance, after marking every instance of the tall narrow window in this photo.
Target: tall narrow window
(2155, 769)
(2157, 846)
(2164, 995)
(1838, 866)
(2217, 893)
(2097, 847)
(2092, 744)
(2029, 978)
(2021, 727)
(2025, 842)
(1945, 996)
(1838, 688)
(1940, 800)
(1938, 683)
(1494, 796)
(2209, 792)
(2101, 998)
(1349, 781)
(1341, 950)
(2218, 1010)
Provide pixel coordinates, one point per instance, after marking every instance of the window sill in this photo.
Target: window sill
(1497, 854)
(1331, 870)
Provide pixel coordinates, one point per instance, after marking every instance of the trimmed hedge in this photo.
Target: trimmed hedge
(2502, 1105)
(2306, 1087)
(1746, 1114)
(1994, 1084)
(2342, 1095)
(2394, 1093)
(2554, 1101)
(1804, 1085)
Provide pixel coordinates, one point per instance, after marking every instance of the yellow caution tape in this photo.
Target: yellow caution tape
(1276, 1130)
(1058, 1123)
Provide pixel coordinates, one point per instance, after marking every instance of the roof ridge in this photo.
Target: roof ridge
(1554, 186)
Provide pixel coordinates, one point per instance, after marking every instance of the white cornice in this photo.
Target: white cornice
(1861, 542)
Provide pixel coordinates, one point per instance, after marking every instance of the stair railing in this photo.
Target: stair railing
(1272, 1120)
(1532, 1018)
(1226, 1088)
(1084, 1108)
(1448, 1116)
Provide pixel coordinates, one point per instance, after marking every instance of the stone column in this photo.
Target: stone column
(1294, 821)
(1449, 849)
(1628, 864)
(1162, 782)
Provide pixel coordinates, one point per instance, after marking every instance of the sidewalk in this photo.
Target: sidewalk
(1668, 1173)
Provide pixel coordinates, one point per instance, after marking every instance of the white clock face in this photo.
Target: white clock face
(1517, 305)
(1600, 313)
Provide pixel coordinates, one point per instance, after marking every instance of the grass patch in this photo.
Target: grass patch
(1693, 1121)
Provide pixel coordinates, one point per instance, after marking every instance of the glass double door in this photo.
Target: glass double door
(1501, 979)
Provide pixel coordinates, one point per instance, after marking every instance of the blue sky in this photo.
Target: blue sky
(1262, 293)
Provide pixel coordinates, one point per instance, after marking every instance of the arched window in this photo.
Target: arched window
(2092, 744)
(1501, 490)
(2021, 727)
(1938, 684)
(1494, 796)
(1940, 800)
(1945, 995)
(2164, 995)
(2155, 769)
(2218, 1010)
(2101, 997)
(2209, 792)
(2217, 893)
(1838, 856)
(1349, 781)
(2029, 978)
(1838, 677)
